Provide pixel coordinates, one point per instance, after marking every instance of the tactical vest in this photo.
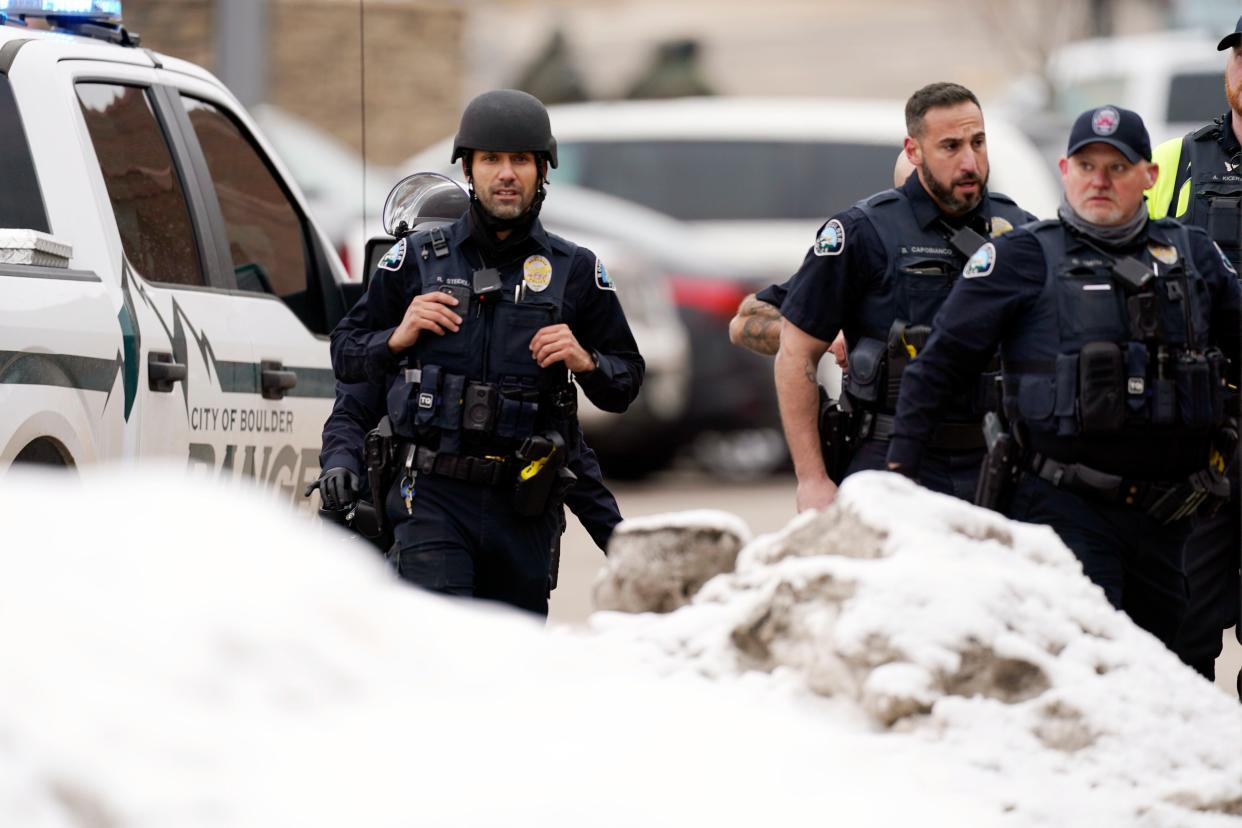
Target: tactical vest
(1215, 190)
(894, 321)
(479, 390)
(1104, 353)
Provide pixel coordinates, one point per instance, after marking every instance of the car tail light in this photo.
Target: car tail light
(718, 297)
(342, 250)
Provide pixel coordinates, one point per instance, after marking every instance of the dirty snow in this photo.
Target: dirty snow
(179, 655)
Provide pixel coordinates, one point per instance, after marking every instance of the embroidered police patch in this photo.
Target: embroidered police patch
(602, 280)
(394, 257)
(1000, 226)
(1225, 260)
(1163, 253)
(831, 239)
(981, 263)
(1105, 121)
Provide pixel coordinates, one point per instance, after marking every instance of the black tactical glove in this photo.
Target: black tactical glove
(338, 488)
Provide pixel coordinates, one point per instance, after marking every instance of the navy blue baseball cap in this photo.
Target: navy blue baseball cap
(1230, 40)
(1112, 125)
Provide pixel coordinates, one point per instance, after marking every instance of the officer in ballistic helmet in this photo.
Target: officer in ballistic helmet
(475, 330)
(419, 202)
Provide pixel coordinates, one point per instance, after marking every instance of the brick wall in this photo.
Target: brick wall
(413, 63)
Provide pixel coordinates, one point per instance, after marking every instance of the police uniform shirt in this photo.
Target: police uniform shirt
(589, 307)
(850, 262)
(990, 307)
(774, 295)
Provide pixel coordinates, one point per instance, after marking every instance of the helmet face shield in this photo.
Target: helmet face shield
(422, 197)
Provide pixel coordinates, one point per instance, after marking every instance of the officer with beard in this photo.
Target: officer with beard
(879, 272)
(475, 330)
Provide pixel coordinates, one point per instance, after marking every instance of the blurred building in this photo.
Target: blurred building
(305, 56)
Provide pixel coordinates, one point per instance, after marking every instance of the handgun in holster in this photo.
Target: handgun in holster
(377, 453)
(1000, 466)
(839, 433)
(539, 460)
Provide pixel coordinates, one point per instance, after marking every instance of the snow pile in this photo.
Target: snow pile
(962, 629)
(179, 655)
(657, 564)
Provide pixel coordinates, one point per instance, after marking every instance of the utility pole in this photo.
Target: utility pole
(242, 48)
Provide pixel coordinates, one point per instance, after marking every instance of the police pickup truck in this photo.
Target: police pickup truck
(164, 292)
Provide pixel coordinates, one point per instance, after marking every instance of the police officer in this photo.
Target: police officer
(1200, 183)
(424, 200)
(474, 330)
(879, 272)
(1117, 334)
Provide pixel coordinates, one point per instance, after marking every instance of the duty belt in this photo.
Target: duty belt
(483, 471)
(946, 437)
(1165, 501)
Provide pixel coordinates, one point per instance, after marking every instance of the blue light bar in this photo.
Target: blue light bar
(107, 11)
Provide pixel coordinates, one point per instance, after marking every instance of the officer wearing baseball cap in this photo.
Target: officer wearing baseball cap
(1199, 183)
(1118, 337)
(474, 331)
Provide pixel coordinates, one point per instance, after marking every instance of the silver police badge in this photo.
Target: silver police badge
(831, 239)
(981, 263)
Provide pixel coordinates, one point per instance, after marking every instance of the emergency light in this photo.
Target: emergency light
(102, 11)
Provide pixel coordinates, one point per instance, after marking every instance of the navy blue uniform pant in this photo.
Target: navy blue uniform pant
(1136, 560)
(464, 539)
(1211, 560)
(953, 474)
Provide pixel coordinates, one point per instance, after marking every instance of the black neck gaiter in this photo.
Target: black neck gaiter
(484, 228)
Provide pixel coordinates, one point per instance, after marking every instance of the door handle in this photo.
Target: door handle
(275, 381)
(163, 372)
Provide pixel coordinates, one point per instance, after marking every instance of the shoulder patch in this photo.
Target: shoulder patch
(602, 280)
(831, 239)
(1225, 260)
(981, 263)
(394, 257)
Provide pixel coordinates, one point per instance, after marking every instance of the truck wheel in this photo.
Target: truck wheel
(44, 452)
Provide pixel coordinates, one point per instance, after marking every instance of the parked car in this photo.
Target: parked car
(1173, 79)
(167, 293)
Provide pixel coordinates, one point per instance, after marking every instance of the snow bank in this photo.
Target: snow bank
(952, 626)
(178, 655)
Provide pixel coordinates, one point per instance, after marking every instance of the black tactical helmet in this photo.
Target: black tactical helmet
(505, 120)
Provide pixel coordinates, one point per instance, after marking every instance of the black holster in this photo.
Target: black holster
(372, 521)
(1000, 465)
(840, 432)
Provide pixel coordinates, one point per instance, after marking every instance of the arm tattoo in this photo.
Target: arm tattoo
(761, 331)
(809, 371)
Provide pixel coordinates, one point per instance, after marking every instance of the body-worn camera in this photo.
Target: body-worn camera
(478, 409)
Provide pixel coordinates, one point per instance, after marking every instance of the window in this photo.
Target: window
(265, 231)
(143, 186)
(21, 202)
(1196, 97)
(730, 180)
